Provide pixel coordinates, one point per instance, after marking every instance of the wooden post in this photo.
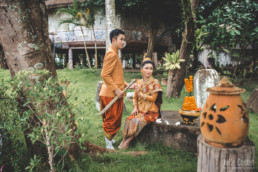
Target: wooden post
(215, 159)
(70, 58)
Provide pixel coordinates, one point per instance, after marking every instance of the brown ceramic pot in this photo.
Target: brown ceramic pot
(224, 120)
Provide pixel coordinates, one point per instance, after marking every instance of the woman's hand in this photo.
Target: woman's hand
(134, 112)
(132, 86)
(136, 87)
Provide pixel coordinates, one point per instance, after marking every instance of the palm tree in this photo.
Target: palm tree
(90, 18)
(77, 18)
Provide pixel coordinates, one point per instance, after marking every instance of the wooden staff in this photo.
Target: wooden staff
(115, 99)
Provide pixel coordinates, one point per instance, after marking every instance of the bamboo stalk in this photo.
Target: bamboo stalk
(115, 99)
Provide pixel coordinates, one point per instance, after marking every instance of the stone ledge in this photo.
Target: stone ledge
(179, 136)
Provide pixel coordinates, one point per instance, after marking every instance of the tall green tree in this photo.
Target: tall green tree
(176, 77)
(230, 25)
(78, 17)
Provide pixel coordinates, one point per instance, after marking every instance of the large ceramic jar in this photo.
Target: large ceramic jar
(224, 120)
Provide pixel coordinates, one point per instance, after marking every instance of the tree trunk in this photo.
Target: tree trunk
(253, 57)
(252, 101)
(3, 64)
(96, 50)
(24, 35)
(110, 19)
(151, 41)
(195, 60)
(85, 47)
(217, 159)
(134, 61)
(176, 78)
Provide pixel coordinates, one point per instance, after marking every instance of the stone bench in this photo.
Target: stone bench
(169, 134)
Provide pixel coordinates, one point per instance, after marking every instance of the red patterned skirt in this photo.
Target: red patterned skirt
(134, 124)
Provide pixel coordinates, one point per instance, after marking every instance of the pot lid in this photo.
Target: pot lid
(225, 87)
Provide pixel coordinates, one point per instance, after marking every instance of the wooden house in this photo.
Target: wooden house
(68, 41)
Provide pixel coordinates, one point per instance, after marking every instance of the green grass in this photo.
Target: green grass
(159, 158)
(4, 74)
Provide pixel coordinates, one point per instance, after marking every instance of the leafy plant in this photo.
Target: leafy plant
(12, 146)
(172, 61)
(200, 35)
(34, 164)
(44, 111)
(231, 24)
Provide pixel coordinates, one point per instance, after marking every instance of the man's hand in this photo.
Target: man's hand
(119, 93)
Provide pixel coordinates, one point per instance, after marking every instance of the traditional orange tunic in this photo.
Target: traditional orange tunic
(148, 111)
(112, 74)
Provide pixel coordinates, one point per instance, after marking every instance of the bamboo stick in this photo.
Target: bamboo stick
(115, 99)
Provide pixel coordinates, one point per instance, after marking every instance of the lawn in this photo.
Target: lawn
(82, 90)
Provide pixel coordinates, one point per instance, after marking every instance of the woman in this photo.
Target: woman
(146, 102)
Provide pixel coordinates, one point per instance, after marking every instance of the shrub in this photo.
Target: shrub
(42, 111)
(12, 144)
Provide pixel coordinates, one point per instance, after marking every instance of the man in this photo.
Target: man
(112, 74)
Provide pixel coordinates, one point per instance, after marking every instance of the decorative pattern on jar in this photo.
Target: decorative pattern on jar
(224, 119)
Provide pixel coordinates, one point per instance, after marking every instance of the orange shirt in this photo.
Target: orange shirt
(112, 74)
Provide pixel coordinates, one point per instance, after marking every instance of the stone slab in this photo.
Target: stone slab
(169, 134)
